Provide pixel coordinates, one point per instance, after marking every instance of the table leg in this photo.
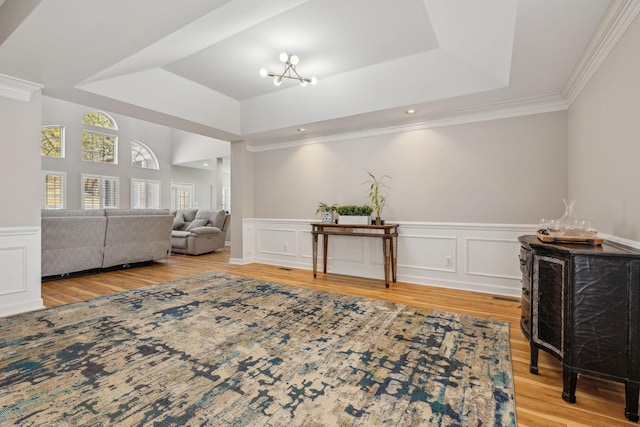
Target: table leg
(533, 364)
(569, 382)
(386, 248)
(325, 241)
(632, 391)
(315, 253)
(394, 258)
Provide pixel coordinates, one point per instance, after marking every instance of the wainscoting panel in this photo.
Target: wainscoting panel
(13, 264)
(437, 253)
(492, 258)
(20, 267)
(279, 241)
(476, 257)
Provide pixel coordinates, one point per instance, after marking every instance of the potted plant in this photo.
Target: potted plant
(327, 212)
(353, 214)
(377, 193)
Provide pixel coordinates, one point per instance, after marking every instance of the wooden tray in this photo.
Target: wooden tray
(597, 241)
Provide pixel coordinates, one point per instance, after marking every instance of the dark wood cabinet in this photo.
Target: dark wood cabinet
(581, 303)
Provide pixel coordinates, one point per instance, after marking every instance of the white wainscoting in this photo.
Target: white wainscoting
(19, 270)
(476, 257)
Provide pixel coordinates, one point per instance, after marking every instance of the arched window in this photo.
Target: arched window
(142, 156)
(99, 139)
(100, 120)
(52, 141)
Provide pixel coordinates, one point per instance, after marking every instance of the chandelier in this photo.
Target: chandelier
(290, 62)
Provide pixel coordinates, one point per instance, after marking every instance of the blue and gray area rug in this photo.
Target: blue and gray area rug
(218, 350)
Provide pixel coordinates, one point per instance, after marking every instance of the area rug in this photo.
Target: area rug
(219, 350)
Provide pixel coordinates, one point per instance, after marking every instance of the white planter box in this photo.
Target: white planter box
(352, 219)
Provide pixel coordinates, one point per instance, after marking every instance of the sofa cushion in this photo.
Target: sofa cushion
(197, 223)
(215, 218)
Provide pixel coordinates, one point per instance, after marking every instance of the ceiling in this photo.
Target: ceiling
(193, 64)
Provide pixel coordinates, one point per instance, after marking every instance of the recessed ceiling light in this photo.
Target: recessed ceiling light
(302, 129)
(411, 111)
(206, 164)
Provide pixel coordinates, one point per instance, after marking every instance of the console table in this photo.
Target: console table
(581, 303)
(388, 233)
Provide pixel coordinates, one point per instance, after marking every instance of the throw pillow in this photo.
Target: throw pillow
(197, 223)
(178, 222)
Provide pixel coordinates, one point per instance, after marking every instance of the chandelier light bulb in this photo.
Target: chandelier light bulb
(294, 59)
(277, 81)
(264, 72)
(314, 81)
(303, 82)
(284, 57)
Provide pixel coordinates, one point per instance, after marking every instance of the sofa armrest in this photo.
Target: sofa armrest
(201, 231)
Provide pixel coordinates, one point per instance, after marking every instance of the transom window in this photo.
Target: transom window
(100, 191)
(100, 120)
(54, 190)
(52, 141)
(99, 145)
(142, 156)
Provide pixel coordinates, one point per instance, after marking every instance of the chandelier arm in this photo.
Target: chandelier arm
(299, 77)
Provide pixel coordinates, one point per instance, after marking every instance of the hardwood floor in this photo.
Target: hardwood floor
(538, 397)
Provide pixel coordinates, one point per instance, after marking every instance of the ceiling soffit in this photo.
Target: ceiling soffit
(360, 70)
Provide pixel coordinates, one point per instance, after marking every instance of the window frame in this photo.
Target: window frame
(102, 181)
(151, 156)
(94, 130)
(63, 190)
(148, 196)
(176, 187)
(62, 143)
(114, 127)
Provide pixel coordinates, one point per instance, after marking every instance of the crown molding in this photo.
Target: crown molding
(481, 113)
(615, 21)
(14, 88)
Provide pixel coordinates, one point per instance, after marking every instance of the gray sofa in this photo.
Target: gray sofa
(75, 240)
(199, 231)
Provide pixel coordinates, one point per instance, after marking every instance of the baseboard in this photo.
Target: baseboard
(21, 307)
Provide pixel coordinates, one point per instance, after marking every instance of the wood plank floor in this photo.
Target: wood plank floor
(538, 397)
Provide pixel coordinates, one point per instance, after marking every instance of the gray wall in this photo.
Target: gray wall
(509, 171)
(158, 138)
(604, 142)
(20, 171)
